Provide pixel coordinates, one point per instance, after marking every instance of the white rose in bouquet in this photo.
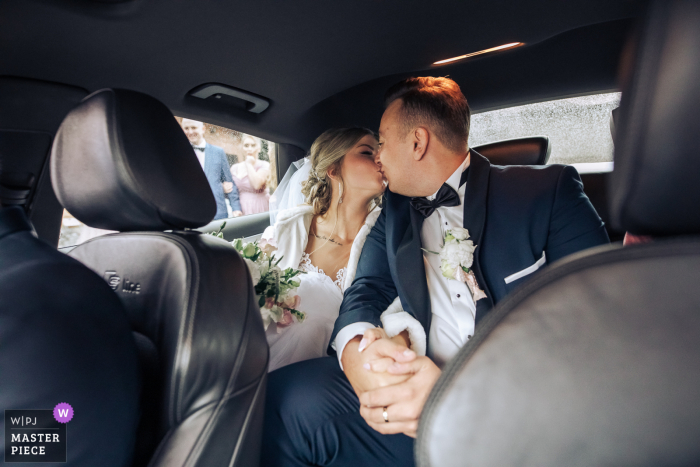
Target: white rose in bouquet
(254, 270)
(267, 316)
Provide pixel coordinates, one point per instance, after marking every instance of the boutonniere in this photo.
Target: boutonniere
(456, 258)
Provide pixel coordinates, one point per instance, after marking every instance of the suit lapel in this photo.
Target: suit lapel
(410, 269)
(475, 198)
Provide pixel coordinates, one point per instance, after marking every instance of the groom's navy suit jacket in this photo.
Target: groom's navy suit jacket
(217, 170)
(514, 214)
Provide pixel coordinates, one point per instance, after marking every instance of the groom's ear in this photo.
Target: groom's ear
(421, 139)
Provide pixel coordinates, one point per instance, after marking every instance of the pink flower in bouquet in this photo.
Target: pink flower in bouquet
(292, 302)
(269, 303)
(286, 319)
(267, 242)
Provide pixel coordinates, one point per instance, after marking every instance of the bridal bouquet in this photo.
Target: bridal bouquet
(274, 286)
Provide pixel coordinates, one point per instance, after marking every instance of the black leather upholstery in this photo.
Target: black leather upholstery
(654, 188)
(189, 300)
(121, 162)
(64, 337)
(595, 360)
(533, 150)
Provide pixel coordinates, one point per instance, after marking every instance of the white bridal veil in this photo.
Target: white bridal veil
(288, 192)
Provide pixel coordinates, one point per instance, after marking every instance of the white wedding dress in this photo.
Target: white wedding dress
(320, 294)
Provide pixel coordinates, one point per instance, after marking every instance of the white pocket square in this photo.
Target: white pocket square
(529, 270)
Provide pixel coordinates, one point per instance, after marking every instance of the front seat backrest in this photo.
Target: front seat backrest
(533, 150)
(121, 162)
(64, 337)
(595, 361)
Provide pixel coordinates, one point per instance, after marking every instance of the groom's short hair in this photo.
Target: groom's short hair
(437, 103)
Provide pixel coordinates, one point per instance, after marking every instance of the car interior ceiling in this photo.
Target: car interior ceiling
(317, 65)
(307, 58)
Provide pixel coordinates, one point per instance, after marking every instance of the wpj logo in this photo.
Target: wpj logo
(37, 435)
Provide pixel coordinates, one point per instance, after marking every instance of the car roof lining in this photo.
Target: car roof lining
(304, 55)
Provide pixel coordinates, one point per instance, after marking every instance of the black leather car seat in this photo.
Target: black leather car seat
(64, 337)
(596, 361)
(533, 150)
(121, 162)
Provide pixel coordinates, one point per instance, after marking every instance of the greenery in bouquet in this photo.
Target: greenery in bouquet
(219, 233)
(275, 287)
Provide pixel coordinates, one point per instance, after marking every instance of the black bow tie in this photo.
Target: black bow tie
(199, 148)
(446, 196)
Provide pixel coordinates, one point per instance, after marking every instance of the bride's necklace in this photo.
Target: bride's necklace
(329, 237)
(322, 237)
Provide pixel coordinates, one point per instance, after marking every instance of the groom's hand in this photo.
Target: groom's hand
(404, 401)
(359, 354)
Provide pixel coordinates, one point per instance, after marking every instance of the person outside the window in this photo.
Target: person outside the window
(214, 163)
(251, 177)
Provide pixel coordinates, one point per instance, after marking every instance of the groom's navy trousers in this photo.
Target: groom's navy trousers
(313, 417)
(515, 216)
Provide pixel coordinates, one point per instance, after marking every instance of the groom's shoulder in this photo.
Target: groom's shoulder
(532, 176)
(523, 186)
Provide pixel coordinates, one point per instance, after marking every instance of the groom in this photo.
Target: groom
(361, 406)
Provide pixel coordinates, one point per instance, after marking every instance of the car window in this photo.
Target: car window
(578, 127)
(240, 168)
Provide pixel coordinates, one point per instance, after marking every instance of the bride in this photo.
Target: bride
(324, 237)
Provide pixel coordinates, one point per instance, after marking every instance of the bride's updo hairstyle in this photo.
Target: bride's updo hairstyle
(327, 153)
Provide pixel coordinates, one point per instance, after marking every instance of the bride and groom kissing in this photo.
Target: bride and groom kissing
(394, 289)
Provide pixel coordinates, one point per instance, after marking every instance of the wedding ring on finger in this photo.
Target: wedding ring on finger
(385, 415)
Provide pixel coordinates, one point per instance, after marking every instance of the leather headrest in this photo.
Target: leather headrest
(120, 161)
(533, 150)
(654, 187)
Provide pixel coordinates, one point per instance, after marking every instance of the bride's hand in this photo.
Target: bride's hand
(382, 364)
(357, 365)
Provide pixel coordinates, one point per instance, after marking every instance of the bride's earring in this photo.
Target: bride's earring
(340, 190)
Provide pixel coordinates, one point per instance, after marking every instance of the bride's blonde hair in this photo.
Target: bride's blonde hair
(327, 153)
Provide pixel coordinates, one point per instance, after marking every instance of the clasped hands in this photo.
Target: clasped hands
(385, 373)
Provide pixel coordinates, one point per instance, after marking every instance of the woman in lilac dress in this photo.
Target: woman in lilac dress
(251, 176)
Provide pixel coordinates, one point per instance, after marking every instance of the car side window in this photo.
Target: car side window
(241, 170)
(578, 127)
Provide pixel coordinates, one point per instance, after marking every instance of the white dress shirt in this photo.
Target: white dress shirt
(452, 306)
(200, 154)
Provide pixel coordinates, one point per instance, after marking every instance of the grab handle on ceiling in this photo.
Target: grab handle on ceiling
(258, 104)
